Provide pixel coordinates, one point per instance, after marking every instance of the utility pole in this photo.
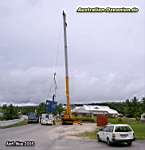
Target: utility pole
(67, 114)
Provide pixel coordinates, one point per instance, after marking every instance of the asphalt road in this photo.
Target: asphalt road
(55, 138)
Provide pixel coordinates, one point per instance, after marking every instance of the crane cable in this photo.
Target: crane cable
(54, 82)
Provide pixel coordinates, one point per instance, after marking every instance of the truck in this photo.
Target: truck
(47, 119)
(33, 117)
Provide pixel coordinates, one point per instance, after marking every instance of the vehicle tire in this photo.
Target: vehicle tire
(129, 143)
(54, 123)
(98, 138)
(108, 142)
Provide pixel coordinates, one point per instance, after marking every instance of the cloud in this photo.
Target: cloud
(25, 85)
(33, 86)
(111, 86)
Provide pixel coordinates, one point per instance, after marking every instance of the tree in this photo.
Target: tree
(10, 112)
(59, 109)
(143, 105)
(41, 108)
(136, 108)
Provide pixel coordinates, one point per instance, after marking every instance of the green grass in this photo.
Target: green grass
(139, 130)
(89, 135)
(85, 119)
(22, 123)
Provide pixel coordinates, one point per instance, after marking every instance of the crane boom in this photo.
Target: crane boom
(67, 118)
(67, 114)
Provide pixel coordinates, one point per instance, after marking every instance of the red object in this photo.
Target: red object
(102, 119)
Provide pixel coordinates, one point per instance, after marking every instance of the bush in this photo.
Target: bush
(10, 112)
(85, 119)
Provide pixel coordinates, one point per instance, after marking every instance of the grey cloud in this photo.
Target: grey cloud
(32, 85)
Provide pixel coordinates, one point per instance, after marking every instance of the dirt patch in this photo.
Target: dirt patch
(73, 131)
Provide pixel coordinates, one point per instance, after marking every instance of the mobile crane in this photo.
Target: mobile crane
(67, 118)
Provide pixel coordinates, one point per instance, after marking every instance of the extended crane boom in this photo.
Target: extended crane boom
(67, 118)
(68, 109)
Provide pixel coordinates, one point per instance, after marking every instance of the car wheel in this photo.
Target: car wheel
(98, 138)
(108, 141)
(129, 143)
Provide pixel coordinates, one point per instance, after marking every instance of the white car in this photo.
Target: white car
(116, 133)
(47, 119)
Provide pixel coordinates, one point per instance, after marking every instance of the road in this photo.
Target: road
(55, 138)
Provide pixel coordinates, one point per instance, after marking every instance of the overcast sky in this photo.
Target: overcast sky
(106, 51)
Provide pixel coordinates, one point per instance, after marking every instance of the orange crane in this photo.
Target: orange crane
(67, 118)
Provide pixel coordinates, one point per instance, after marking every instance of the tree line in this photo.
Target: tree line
(13, 112)
(132, 108)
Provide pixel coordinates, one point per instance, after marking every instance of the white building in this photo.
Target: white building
(142, 117)
(89, 110)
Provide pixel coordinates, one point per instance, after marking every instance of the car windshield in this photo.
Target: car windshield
(123, 129)
(47, 116)
(32, 115)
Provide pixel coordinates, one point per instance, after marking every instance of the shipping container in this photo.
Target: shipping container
(101, 119)
(51, 106)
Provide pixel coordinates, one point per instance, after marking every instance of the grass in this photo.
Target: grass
(85, 119)
(21, 123)
(138, 127)
(89, 135)
(139, 130)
